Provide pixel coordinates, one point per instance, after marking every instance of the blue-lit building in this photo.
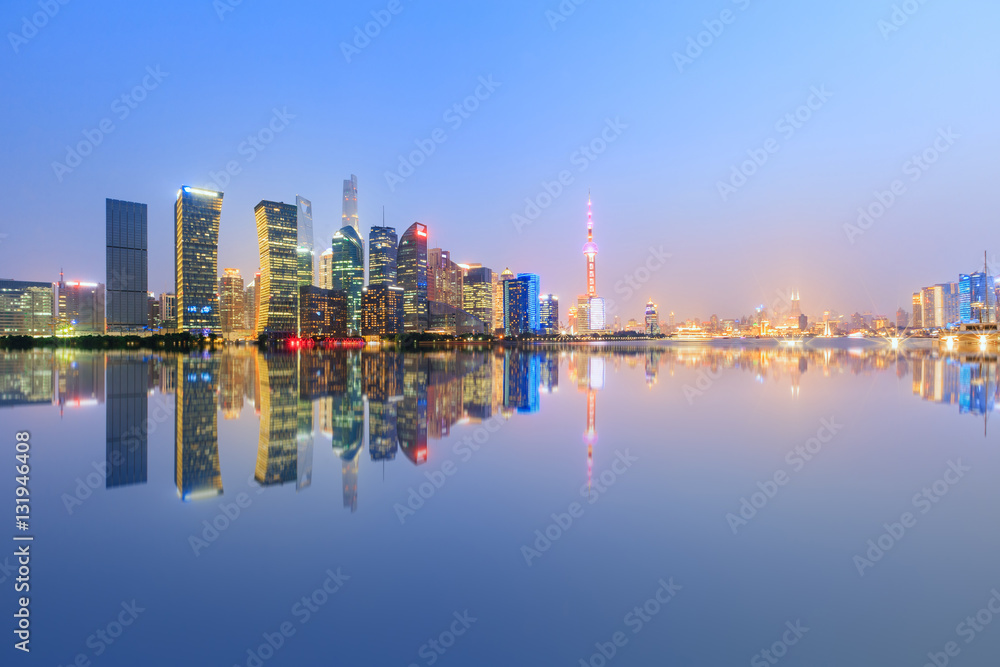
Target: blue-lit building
(534, 291)
(515, 307)
(977, 298)
(548, 312)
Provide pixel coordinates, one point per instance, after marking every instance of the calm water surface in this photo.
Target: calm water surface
(588, 505)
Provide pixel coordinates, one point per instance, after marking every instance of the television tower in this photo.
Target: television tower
(590, 251)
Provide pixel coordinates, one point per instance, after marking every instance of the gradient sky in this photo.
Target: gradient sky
(655, 185)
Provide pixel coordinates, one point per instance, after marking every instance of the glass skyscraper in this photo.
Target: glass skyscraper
(977, 298)
(516, 316)
(349, 217)
(348, 271)
(477, 294)
(549, 313)
(196, 259)
(278, 288)
(382, 243)
(534, 291)
(306, 250)
(411, 275)
(125, 230)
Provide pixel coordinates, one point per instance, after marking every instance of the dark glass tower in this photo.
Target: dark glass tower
(349, 273)
(126, 265)
(196, 256)
(382, 244)
(127, 412)
(412, 277)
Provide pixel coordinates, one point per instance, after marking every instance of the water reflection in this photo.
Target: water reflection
(395, 402)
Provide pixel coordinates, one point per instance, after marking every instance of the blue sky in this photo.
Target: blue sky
(556, 85)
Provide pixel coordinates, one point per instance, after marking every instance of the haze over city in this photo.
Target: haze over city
(548, 84)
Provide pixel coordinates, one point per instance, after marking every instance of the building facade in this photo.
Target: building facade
(349, 216)
(382, 310)
(348, 273)
(305, 252)
(127, 271)
(196, 259)
(548, 311)
(232, 301)
(382, 248)
(27, 308)
(477, 294)
(516, 317)
(278, 287)
(411, 274)
(81, 308)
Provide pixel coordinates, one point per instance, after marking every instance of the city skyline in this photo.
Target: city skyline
(655, 183)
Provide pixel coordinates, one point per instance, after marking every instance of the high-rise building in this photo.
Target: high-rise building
(127, 432)
(278, 288)
(250, 304)
(902, 319)
(444, 278)
(534, 305)
(348, 271)
(305, 251)
(196, 255)
(127, 271)
(27, 308)
(583, 314)
(232, 296)
(411, 275)
(498, 317)
(977, 298)
(548, 312)
(326, 269)
(153, 308)
(382, 248)
(277, 444)
(197, 473)
(168, 310)
(382, 310)
(918, 310)
(80, 307)
(349, 217)
(517, 306)
(322, 311)
(477, 294)
(652, 319)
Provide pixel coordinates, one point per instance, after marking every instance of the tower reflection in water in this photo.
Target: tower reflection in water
(396, 401)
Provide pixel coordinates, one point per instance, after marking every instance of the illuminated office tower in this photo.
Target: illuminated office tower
(349, 217)
(80, 307)
(583, 314)
(534, 292)
(326, 269)
(918, 310)
(305, 252)
(477, 294)
(382, 248)
(348, 271)
(196, 255)
(278, 287)
(250, 304)
(411, 275)
(516, 316)
(27, 308)
(977, 298)
(127, 271)
(127, 410)
(498, 317)
(231, 301)
(168, 310)
(548, 312)
(277, 444)
(444, 278)
(652, 319)
(196, 434)
(382, 310)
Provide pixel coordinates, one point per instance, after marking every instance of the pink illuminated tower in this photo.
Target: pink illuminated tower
(590, 251)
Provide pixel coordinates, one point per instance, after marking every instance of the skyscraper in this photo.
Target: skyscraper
(498, 317)
(534, 288)
(196, 428)
(196, 255)
(127, 431)
(477, 294)
(126, 265)
(411, 275)
(306, 254)
(27, 308)
(278, 287)
(80, 307)
(382, 310)
(382, 247)
(168, 310)
(549, 313)
(348, 271)
(326, 269)
(977, 298)
(231, 301)
(652, 319)
(516, 307)
(349, 217)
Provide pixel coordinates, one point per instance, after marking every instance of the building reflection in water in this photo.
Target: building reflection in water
(196, 448)
(127, 384)
(277, 443)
